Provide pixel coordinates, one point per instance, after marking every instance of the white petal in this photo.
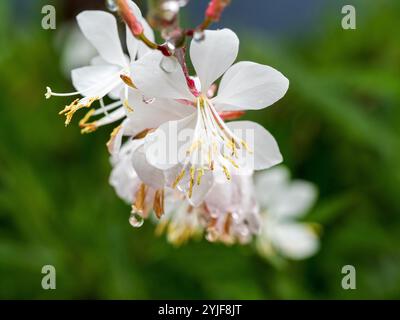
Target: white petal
(115, 94)
(152, 115)
(296, 241)
(232, 196)
(132, 44)
(295, 201)
(150, 175)
(250, 86)
(124, 179)
(139, 48)
(284, 199)
(214, 55)
(115, 143)
(167, 146)
(264, 151)
(100, 28)
(96, 81)
(270, 183)
(113, 116)
(153, 81)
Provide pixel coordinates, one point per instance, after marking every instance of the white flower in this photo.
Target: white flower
(181, 221)
(211, 144)
(233, 212)
(282, 202)
(108, 71)
(143, 194)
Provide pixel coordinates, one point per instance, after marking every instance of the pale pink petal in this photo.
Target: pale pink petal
(153, 81)
(100, 28)
(250, 86)
(214, 55)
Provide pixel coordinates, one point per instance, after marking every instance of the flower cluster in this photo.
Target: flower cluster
(177, 155)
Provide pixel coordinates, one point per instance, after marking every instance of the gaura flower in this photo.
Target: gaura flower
(181, 221)
(233, 212)
(282, 202)
(109, 72)
(202, 143)
(229, 214)
(144, 195)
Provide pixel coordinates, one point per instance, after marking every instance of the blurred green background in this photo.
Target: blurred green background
(339, 127)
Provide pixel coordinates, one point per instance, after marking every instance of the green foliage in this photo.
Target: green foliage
(338, 126)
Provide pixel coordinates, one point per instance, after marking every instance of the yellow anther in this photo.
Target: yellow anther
(87, 127)
(200, 173)
(158, 204)
(127, 106)
(191, 184)
(140, 196)
(231, 161)
(196, 144)
(76, 105)
(227, 174)
(110, 142)
(179, 178)
(128, 81)
(246, 146)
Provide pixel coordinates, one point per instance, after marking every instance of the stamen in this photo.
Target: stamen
(139, 205)
(246, 146)
(88, 127)
(231, 161)
(200, 173)
(127, 106)
(110, 142)
(179, 178)
(191, 184)
(158, 204)
(76, 105)
(128, 81)
(227, 173)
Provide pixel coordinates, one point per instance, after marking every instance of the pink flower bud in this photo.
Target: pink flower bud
(126, 13)
(215, 8)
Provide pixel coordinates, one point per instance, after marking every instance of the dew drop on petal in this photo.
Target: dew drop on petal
(112, 5)
(199, 35)
(147, 100)
(136, 220)
(169, 64)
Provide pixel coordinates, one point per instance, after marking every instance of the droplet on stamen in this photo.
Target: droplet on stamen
(199, 35)
(136, 220)
(112, 5)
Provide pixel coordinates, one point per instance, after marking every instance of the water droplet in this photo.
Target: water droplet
(199, 35)
(136, 220)
(147, 100)
(169, 64)
(112, 5)
(183, 3)
(171, 46)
